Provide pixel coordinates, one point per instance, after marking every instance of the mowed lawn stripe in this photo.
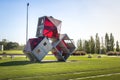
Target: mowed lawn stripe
(97, 76)
(74, 75)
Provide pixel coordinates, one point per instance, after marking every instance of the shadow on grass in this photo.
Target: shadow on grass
(15, 63)
(18, 63)
(50, 61)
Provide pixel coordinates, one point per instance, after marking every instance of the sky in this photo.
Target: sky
(80, 18)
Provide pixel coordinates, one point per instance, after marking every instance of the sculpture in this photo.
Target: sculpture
(49, 39)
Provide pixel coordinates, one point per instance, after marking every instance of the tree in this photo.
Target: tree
(92, 45)
(103, 49)
(97, 44)
(79, 45)
(9, 45)
(4, 43)
(111, 42)
(117, 46)
(12, 45)
(87, 46)
(107, 42)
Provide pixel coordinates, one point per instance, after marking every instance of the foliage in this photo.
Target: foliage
(111, 53)
(97, 44)
(79, 45)
(87, 46)
(111, 42)
(117, 46)
(92, 45)
(10, 45)
(4, 43)
(107, 43)
(79, 53)
(103, 50)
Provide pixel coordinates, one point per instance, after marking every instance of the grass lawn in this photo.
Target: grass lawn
(75, 68)
(15, 52)
(12, 52)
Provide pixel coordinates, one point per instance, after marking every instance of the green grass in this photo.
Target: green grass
(15, 52)
(12, 52)
(75, 68)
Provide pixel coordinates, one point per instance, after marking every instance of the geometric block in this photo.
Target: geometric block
(63, 47)
(37, 48)
(48, 27)
(28, 52)
(42, 49)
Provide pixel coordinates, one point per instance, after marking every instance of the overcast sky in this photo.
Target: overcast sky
(80, 18)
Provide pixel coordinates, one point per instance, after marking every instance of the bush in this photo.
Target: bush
(89, 56)
(79, 53)
(117, 53)
(111, 53)
(4, 54)
(99, 56)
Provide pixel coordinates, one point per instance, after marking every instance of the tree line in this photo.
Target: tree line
(8, 45)
(98, 45)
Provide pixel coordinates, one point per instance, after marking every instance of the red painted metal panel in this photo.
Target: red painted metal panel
(35, 41)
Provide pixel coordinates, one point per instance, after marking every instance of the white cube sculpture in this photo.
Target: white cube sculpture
(37, 48)
(61, 45)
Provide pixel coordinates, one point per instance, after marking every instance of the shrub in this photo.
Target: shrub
(111, 53)
(99, 56)
(89, 56)
(4, 54)
(117, 53)
(79, 53)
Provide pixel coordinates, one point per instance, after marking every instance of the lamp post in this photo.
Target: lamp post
(27, 23)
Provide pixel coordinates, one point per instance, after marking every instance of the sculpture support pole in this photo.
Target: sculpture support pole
(27, 24)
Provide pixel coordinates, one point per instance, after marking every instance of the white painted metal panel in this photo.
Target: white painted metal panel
(27, 47)
(42, 49)
(39, 31)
